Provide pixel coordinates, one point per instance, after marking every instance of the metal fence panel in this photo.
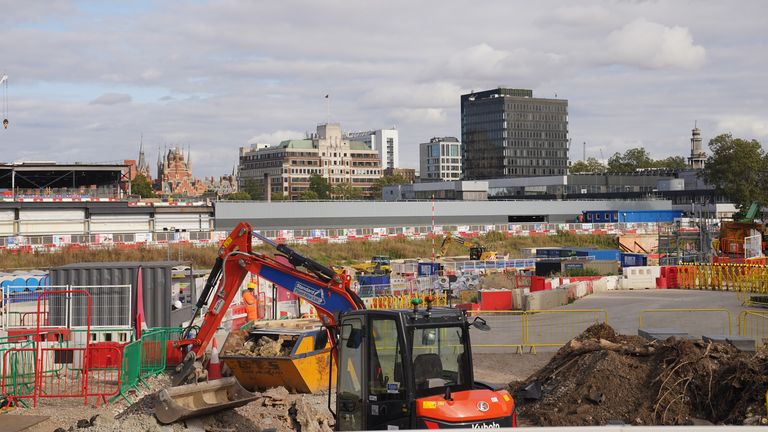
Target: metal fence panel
(696, 322)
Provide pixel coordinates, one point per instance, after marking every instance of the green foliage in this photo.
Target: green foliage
(318, 186)
(672, 163)
(631, 160)
(738, 169)
(639, 158)
(345, 191)
(254, 188)
(386, 180)
(591, 165)
(308, 195)
(237, 196)
(141, 186)
(279, 196)
(582, 272)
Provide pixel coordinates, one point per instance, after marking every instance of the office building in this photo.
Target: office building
(509, 133)
(440, 160)
(384, 141)
(288, 166)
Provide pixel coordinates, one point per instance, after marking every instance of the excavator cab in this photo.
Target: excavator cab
(412, 369)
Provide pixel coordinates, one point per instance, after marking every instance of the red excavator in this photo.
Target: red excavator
(397, 369)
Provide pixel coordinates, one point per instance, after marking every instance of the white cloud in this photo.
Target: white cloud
(112, 99)
(417, 95)
(744, 126)
(651, 45)
(420, 115)
(578, 15)
(276, 137)
(484, 64)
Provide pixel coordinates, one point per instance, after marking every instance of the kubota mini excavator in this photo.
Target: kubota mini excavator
(397, 369)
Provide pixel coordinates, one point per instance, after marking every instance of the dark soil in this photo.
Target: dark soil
(601, 377)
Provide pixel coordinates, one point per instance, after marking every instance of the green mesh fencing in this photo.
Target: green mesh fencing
(18, 377)
(153, 352)
(131, 369)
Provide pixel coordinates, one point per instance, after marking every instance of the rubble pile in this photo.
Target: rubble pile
(265, 346)
(601, 377)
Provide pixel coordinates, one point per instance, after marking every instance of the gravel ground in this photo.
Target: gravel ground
(282, 411)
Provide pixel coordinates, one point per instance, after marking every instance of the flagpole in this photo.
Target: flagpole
(327, 109)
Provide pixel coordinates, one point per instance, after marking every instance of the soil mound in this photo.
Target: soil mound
(601, 377)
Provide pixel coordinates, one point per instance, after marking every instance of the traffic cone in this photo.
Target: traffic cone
(214, 366)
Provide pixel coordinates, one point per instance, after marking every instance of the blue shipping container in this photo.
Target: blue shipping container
(602, 254)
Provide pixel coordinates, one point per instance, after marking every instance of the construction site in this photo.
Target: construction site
(668, 328)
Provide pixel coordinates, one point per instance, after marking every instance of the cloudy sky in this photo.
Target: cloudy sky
(88, 78)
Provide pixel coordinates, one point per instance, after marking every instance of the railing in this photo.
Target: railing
(696, 321)
(533, 329)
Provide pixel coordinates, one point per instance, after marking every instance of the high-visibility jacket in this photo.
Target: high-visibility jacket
(251, 305)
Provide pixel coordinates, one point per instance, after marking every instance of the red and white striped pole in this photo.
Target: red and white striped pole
(433, 228)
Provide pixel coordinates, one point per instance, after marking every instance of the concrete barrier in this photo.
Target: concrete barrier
(547, 299)
(639, 277)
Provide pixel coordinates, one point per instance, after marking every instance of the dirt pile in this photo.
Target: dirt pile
(265, 347)
(601, 377)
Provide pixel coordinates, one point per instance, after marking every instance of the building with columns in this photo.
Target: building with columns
(698, 155)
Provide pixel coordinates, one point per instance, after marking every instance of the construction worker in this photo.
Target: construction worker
(251, 302)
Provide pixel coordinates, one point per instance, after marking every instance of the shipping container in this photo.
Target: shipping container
(633, 260)
(157, 289)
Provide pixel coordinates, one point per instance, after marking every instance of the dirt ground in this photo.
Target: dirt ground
(601, 377)
(276, 408)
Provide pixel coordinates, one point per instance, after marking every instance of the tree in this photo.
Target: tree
(308, 195)
(345, 191)
(673, 163)
(320, 186)
(254, 188)
(386, 180)
(141, 186)
(279, 196)
(237, 196)
(591, 165)
(738, 169)
(632, 160)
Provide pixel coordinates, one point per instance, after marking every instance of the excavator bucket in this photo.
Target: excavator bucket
(193, 400)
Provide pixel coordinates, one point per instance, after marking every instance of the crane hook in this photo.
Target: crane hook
(5, 123)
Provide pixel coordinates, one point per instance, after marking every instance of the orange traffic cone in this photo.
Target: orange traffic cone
(214, 366)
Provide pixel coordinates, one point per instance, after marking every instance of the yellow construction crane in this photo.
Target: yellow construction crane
(476, 251)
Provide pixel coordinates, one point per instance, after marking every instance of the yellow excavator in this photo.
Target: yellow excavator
(476, 251)
(378, 265)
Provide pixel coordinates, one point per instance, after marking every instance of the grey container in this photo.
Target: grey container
(156, 290)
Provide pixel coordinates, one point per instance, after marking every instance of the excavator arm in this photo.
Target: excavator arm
(327, 291)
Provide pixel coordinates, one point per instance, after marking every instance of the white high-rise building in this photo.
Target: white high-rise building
(384, 141)
(440, 160)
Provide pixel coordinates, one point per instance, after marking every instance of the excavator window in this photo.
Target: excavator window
(385, 380)
(437, 360)
(350, 375)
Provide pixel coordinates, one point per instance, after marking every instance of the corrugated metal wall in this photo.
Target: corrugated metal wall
(156, 277)
(187, 221)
